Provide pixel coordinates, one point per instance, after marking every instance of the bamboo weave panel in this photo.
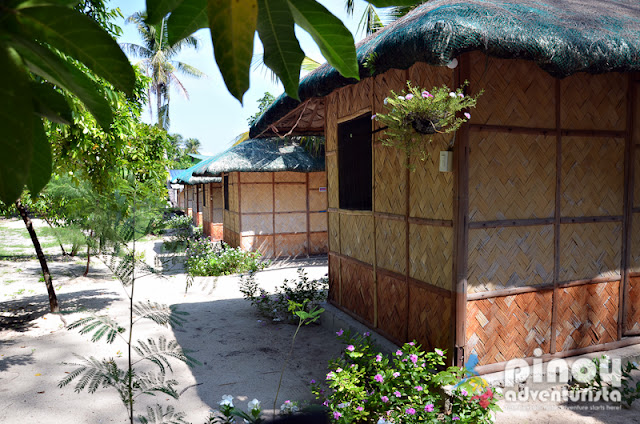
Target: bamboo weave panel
(509, 327)
(636, 169)
(593, 102)
(357, 237)
(291, 223)
(429, 318)
(428, 76)
(392, 306)
(230, 237)
(206, 208)
(319, 243)
(290, 197)
(256, 177)
(590, 250)
(390, 180)
(233, 196)
(354, 98)
(332, 177)
(393, 79)
(317, 200)
(290, 177)
(256, 197)
(634, 262)
(357, 289)
(592, 176)
(334, 278)
(510, 257)
(317, 180)
(261, 244)
(431, 191)
(318, 221)
(261, 224)
(233, 177)
(291, 245)
(632, 320)
(431, 254)
(391, 245)
(331, 122)
(511, 176)
(334, 232)
(587, 315)
(229, 220)
(217, 215)
(516, 93)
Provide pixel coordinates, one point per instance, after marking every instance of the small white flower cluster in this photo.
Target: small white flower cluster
(288, 407)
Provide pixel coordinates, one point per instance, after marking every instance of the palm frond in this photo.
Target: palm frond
(370, 21)
(100, 326)
(159, 352)
(136, 50)
(189, 70)
(160, 314)
(158, 416)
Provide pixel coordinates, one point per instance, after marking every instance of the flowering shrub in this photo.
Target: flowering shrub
(205, 258)
(276, 306)
(419, 113)
(228, 412)
(181, 229)
(366, 386)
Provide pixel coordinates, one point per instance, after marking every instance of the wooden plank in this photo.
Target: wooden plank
(545, 131)
(590, 219)
(557, 219)
(511, 223)
(507, 292)
(431, 222)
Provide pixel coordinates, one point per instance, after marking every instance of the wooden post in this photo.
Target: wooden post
(556, 221)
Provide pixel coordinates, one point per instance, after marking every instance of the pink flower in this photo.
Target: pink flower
(439, 352)
(410, 411)
(339, 332)
(360, 408)
(330, 376)
(373, 117)
(414, 358)
(378, 358)
(428, 407)
(366, 334)
(408, 96)
(461, 95)
(411, 344)
(325, 403)
(379, 378)
(418, 388)
(336, 415)
(351, 348)
(384, 399)
(339, 370)
(396, 374)
(463, 392)
(426, 94)
(398, 352)
(397, 394)
(313, 382)
(455, 418)
(467, 115)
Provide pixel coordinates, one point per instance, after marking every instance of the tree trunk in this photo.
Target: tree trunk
(86, 271)
(53, 300)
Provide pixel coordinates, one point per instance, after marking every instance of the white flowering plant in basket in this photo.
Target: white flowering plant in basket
(415, 115)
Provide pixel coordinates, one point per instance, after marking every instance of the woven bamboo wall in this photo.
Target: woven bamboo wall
(590, 250)
(430, 317)
(632, 321)
(431, 254)
(217, 201)
(431, 191)
(393, 310)
(357, 237)
(357, 289)
(334, 279)
(390, 179)
(334, 232)
(634, 263)
(354, 98)
(391, 242)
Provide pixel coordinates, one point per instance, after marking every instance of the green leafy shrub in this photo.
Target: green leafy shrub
(208, 259)
(276, 306)
(365, 386)
(181, 229)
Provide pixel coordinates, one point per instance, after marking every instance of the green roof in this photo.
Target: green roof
(187, 177)
(562, 36)
(262, 155)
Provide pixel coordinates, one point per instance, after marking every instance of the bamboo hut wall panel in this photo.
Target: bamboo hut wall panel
(318, 243)
(231, 237)
(291, 245)
(256, 177)
(291, 223)
(391, 241)
(317, 180)
(230, 220)
(429, 317)
(392, 306)
(260, 224)
(205, 206)
(592, 176)
(634, 263)
(390, 180)
(431, 254)
(431, 191)
(233, 194)
(587, 315)
(218, 202)
(256, 198)
(594, 102)
(317, 200)
(334, 232)
(511, 176)
(261, 244)
(427, 76)
(516, 93)
(636, 174)
(333, 190)
(590, 250)
(217, 215)
(395, 80)
(290, 197)
(632, 320)
(334, 277)
(290, 177)
(318, 221)
(510, 257)
(331, 123)
(357, 290)
(509, 327)
(357, 237)
(233, 177)
(354, 98)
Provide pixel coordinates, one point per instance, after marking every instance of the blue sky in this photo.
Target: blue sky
(211, 114)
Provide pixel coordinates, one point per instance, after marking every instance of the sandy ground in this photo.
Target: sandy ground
(241, 354)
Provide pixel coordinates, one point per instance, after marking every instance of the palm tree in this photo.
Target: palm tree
(157, 61)
(192, 145)
(371, 21)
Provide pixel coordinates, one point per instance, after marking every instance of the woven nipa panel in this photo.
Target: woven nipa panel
(393, 79)
(334, 278)
(357, 289)
(256, 177)
(516, 92)
(291, 245)
(509, 257)
(319, 244)
(634, 263)
(290, 223)
(317, 180)
(587, 315)
(331, 122)
(256, 198)
(431, 191)
(291, 177)
(592, 176)
(593, 102)
(392, 306)
(391, 245)
(260, 244)
(429, 318)
(427, 76)
(334, 232)
(390, 180)
(357, 236)
(509, 327)
(511, 176)
(632, 320)
(332, 179)
(636, 173)
(590, 250)
(354, 98)
(290, 197)
(431, 254)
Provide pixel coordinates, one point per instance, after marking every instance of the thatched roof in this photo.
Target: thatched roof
(261, 155)
(187, 177)
(562, 36)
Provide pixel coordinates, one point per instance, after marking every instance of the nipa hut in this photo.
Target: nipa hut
(532, 238)
(176, 199)
(274, 196)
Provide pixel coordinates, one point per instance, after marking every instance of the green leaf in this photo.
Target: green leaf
(82, 38)
(50, 104)
(43, 62)
(16, 112)
(158, 9)
(332, 37)
(282, 52)
(40, 168)
(186, 19)
(233, 25)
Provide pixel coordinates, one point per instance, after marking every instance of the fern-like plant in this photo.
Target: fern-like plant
(91, 373)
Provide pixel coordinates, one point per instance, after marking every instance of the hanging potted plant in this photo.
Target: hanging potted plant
(414, 116)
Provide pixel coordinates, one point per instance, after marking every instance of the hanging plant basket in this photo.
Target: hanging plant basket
(424, 124)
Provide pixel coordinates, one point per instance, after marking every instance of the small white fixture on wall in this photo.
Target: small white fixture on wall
(446, 161)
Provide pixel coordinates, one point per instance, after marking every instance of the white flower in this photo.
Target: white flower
(288, 407)
(383, 421)
(226, 400)
(452, 94)
(386, 100)
(400, 97)
(254, 404)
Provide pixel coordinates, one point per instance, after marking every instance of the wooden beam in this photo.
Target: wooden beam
(556, 218)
